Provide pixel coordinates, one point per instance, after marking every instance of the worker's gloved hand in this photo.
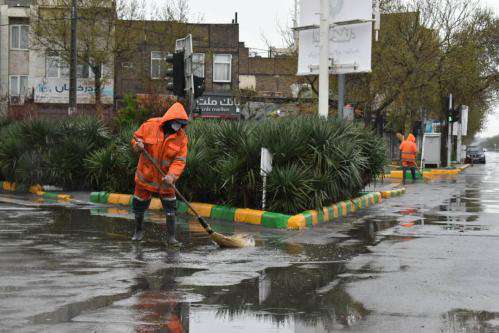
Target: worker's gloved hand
(139, 145)
(169, 180)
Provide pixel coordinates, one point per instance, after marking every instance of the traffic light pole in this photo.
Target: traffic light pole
(74, 61)
(324, 61)
(449, 135)
(460, 142)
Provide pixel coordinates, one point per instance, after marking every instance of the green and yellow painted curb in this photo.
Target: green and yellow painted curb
(430, 174)
(256, 217)
(35, 189)
(393, 193)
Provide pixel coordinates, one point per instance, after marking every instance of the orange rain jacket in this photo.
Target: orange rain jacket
(408, 151)
(169, 152)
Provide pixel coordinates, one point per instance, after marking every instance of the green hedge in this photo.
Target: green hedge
(316, 161)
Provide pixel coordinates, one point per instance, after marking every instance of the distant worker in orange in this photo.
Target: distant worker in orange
(408, 154)
(166, 141)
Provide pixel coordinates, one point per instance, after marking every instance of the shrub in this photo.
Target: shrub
(112, 167)
(316, 162)
(41, 151)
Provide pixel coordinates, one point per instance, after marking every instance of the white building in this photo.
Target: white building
(36, 78)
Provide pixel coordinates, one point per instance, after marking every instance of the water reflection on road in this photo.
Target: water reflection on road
(76, 270)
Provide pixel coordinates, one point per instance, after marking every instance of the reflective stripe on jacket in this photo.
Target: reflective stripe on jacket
(169, 152)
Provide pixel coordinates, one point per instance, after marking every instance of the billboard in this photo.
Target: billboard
(349, 49)
(339, 11)
(56, 90)
(464, 122)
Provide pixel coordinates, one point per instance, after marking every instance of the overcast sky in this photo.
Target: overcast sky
(261, 17)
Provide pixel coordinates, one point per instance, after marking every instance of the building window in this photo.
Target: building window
(83, 71)
(198, 64)
(18, 85)
(222, 67)
(52, 66)
(19, 37)
(158, 65)
(57, 68)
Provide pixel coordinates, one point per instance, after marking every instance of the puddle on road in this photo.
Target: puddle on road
(276, 287)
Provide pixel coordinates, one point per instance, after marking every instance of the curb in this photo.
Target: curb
(35, 189)
(393, 193)
(464, 167)
(397, 174)
(256, 217)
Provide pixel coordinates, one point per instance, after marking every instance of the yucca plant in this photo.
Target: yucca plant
(289, 188)
(112, 167)
(316, 161)
(50, 152)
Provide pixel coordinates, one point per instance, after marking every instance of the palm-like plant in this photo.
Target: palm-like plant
(316, 161)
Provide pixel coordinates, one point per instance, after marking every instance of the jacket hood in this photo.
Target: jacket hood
(411, 138)
(176, 111)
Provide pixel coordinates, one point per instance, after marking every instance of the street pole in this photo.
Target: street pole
(295, 25)
(460, 142)
(324, 61)
(341, 95)
(74, 61)
(449, 135)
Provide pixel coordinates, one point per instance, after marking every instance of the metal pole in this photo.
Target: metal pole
(295, 25)
(422, 153)
(459, 142)
(449, 135)
(264, 192)
(74, 61)
(341, 95)
(324, 61)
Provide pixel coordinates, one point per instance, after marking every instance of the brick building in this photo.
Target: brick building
(142, 68)
(272, 76)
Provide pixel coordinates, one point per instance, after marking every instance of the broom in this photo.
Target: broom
(236, 241)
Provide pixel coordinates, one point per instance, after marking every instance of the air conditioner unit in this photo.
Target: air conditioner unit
(16, 100)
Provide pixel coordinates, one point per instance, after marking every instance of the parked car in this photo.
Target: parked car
(475, 155)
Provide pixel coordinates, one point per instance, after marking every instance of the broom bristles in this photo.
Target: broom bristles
(236, 241)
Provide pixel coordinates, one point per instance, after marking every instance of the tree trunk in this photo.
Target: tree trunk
(98, 89)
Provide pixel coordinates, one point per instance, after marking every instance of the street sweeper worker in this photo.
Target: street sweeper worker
(408, 154)
(165, 140)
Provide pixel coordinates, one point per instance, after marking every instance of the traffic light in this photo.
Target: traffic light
(456, 114)
(198, 86)
(177, 73)
(448, 109)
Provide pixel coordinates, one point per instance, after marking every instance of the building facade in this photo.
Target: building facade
(271, 76)
(15, 52)
(34, 81)
(142, 68)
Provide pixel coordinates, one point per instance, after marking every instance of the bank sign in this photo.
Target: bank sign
(55, 90)
(217, 105)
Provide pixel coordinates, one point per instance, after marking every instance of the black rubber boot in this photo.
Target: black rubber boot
(139, 225)
(170, 229)
(139, 207)
(170, 207)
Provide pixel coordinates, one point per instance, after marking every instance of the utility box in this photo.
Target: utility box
(431, 149)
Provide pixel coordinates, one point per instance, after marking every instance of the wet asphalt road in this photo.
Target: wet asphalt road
(424, 262)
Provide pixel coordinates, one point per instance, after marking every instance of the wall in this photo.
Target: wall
(273, 76)
(160, 36)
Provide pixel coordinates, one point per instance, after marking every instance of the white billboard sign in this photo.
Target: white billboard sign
(340, 11)
(464, 122)
(56, 90)
(349, 45)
